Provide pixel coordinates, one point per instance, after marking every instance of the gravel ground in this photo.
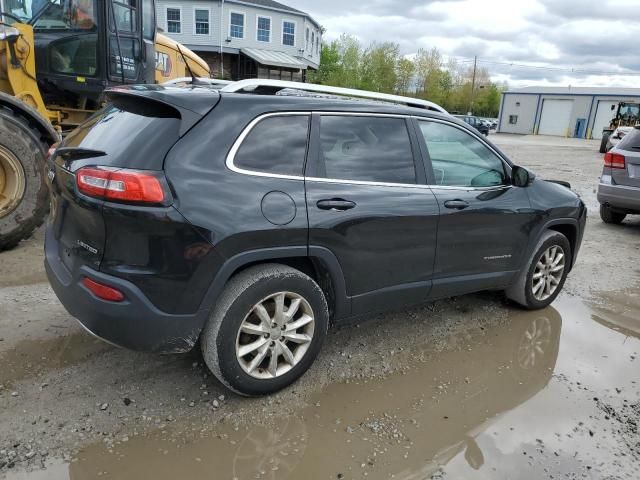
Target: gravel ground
(389, 396)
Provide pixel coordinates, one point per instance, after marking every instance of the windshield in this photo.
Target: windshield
(629, 114)
(55, 14)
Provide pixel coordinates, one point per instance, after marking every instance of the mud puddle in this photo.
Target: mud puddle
(29, 358)
(547, 394)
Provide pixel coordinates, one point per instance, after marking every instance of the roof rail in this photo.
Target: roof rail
(274, 86)
(201, 80)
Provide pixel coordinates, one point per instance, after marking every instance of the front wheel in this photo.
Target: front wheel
(266, 329)
(542, 279)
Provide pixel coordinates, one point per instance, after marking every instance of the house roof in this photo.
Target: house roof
(273, 5)
(273, 58)
(599, 91)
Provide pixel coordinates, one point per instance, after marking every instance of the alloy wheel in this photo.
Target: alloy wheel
(548, 273)
(275, 335)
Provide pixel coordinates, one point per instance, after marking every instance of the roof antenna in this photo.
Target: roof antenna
(194, 80)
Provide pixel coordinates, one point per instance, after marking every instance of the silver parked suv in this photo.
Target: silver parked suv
(619, 188)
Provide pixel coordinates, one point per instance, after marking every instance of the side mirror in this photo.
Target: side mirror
(521, 177)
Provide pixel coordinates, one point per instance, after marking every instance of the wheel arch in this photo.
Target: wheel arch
(317, 262)
(48, 134)
(566, 226)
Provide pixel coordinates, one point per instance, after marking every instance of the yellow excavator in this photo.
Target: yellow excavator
(56, 59)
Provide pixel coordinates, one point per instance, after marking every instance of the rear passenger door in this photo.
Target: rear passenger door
(484, 222)
(367, 203)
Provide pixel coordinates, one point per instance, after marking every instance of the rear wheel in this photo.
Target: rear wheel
(23, 192)
(266, 329)
(540, 282)
(609, 216)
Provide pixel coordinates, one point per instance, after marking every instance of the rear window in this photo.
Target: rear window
(133, 132)
(631, 141)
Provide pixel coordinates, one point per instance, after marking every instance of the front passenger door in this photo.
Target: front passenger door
(484, 221)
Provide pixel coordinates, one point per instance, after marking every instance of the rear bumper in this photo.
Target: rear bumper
(135, 323)
(618, 196)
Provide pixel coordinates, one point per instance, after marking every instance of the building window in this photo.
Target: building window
(289, 33)
(202, 21)
(236, 25)
(513, 119)
(313, 41)
(318, 46)
(173, 20)
(264, 29)
(306, 36)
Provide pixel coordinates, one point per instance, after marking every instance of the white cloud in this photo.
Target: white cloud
(589, 35)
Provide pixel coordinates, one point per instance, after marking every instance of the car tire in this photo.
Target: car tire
(238, 320)
(609, 216)
(603, 142)
(542, 270)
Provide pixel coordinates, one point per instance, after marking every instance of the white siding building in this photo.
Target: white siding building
(245, 39)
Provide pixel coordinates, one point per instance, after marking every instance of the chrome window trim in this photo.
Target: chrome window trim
(230, 160)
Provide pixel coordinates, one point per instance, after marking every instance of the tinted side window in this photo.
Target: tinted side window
(275, 145)
(460, 159)
(373, 149)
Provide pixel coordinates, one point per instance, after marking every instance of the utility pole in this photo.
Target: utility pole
(473, 83)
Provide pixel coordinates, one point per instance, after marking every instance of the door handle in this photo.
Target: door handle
(457, 204)
(335, 204)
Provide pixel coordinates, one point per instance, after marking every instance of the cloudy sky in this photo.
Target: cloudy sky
(598, 39)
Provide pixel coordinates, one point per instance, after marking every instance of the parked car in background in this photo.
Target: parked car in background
(617, 135)
(247, 221)
(475, 122)
(619, 187)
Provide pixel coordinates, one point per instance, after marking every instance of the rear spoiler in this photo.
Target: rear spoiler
(188, 104)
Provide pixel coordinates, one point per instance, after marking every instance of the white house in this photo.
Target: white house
(245, 38)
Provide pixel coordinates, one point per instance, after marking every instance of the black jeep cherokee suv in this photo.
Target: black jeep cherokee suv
(248, 222)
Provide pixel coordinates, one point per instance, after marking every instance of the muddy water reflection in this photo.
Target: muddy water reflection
(514, 400)
(407, 424)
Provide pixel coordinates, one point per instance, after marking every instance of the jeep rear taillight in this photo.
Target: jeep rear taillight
(614, 160)
(122, 185)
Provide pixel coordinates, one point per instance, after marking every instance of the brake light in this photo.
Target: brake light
(120, 185)
(614, 160)
(102, 291)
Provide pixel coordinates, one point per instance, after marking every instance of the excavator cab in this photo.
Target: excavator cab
(84, 46)
(56, 59)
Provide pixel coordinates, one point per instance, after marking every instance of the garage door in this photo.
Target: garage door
(604, 114)
(555, 117)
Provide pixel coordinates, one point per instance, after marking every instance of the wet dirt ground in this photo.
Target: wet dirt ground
(470, 387)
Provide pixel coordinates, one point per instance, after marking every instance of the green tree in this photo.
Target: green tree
(405, 72)
(378, 67)
(329, 65)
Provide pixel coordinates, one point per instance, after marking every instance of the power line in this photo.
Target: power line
(574, 70)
